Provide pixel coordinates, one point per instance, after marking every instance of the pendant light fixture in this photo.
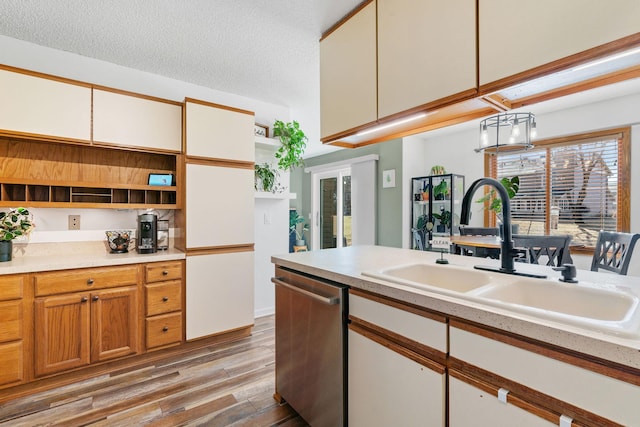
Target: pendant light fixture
(513, 131)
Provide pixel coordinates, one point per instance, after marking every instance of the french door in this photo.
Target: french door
(331, 207)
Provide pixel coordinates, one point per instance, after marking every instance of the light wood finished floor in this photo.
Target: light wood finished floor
(228, 384)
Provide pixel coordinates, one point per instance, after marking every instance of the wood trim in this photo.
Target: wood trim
(562, 64)
(498, 102)
(363, 330)
(136, 95)
(44, 76)
(224, 107)
(127, 363)
(44, 138)
(607, 79)
(548, 414)
(117, 146)
(592, 363)
(391, 339)
(225, 163)
(624, 183)
(345, 19)
(213, 250)
(414, 309)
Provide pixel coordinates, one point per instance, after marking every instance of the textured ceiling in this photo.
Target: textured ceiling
(263, 49)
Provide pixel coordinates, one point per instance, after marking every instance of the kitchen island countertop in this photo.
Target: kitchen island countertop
(345, 265)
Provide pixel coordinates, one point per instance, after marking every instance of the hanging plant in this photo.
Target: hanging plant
(293, 142)
(265, 177)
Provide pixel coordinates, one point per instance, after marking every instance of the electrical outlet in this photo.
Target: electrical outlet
(74, 222)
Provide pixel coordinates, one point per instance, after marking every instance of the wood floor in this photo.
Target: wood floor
(229, 384)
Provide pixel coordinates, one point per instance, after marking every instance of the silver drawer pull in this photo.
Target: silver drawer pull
(320, 298)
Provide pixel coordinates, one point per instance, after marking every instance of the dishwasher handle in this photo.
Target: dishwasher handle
(317, 297)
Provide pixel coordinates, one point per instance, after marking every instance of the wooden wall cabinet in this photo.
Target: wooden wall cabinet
(85, 316)
(218, 132)
(518, 36)
(348, 74)
(136, 121)
(426, 52)
(163, 304)
(12, 330)
(44, 108)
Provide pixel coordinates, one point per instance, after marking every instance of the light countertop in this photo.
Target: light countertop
(345, 265)
(29, 258)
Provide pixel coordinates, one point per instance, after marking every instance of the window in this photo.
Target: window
(575, 185)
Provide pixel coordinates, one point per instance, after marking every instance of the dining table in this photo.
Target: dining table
(485, 245)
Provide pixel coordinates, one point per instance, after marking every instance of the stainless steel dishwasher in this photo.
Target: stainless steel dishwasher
(311, 347)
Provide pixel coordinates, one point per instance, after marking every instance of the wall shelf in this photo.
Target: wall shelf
(266, 195)
(267, 143)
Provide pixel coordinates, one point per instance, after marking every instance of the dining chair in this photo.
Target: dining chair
(418, 239)
(554, 248)
(613, 251)
(480, 231)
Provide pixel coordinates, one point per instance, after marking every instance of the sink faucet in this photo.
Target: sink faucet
(506, 245)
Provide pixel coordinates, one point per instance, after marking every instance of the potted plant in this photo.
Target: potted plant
(265, 177)
(13, 224)
(512, 185)
(295, 220)
(293, 142)
(444, 217)
(441, 190)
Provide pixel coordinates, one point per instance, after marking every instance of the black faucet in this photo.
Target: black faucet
(506, 245)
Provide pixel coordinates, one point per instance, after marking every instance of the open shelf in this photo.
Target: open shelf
(266, 195)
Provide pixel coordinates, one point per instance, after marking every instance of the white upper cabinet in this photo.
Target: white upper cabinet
(134, 121)
(348, 74)
(218, 132)
(516, 36)
(44, 107)
(426, 52)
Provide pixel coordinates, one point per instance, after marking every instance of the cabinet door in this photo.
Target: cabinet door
(62, 333)
(426, 52)
(219, 132)
(136, 121)
(516, 36)
(11, 363)
(44, 107)
(348, 74)
(114, 323)
(470, 406)
(219, 291)
(388, 389)
(220, 205)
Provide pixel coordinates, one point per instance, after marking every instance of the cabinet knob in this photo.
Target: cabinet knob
(89, 282)
(165, 272)
(165, 299)
(84, 299)
(95, 298)
(165, 329)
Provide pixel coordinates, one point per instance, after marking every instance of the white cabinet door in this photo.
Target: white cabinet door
(470, 406)
(136, 122)
(516, 36)
(388, 389)
(219, 206)
(426, 52)
(219, 290)
(40, 106)
(219, 132)
(348, 74)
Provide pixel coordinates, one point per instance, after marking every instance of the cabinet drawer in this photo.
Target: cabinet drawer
(163, 271)
(12, 368)
(600, 394)
(163, 297)
(164, 330)
(11, 287)
(428, 331)
(86, 279)
(10, 321)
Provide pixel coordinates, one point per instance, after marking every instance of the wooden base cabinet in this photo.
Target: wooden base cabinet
(11, 330)
(396, 374)
(163, 304)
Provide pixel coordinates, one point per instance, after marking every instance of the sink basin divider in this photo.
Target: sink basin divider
(515, 273)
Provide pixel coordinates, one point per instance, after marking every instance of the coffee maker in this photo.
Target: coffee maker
(147, 237)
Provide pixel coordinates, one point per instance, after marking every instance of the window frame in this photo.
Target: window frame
(623, 220)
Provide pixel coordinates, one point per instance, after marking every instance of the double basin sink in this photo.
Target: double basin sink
(604, 309)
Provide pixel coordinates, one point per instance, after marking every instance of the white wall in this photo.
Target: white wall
(51, 224)
(454, 149)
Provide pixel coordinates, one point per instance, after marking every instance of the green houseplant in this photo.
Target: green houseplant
(13, 224)
(512, 185)
(265, 177)
(293, 143)
(295, 220)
